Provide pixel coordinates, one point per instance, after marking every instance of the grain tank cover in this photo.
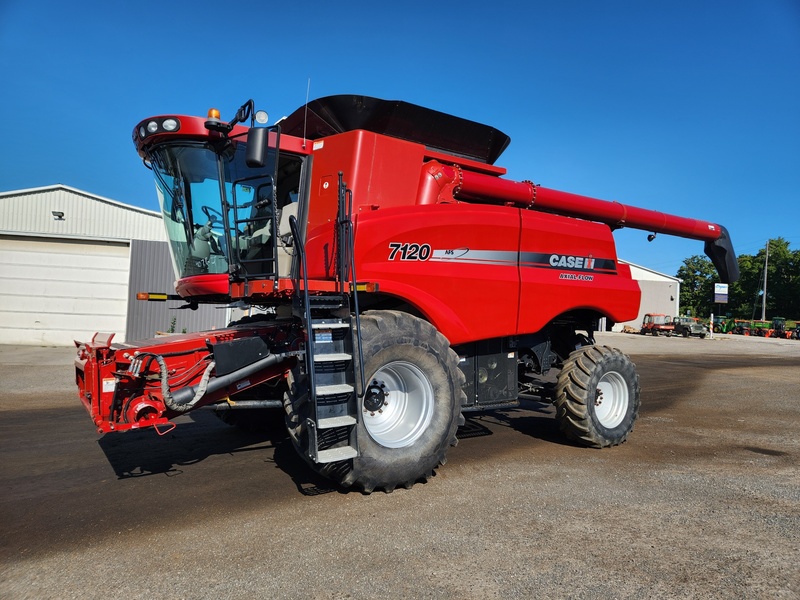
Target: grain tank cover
(436, 130)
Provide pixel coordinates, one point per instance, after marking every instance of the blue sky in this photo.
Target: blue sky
(688, 107)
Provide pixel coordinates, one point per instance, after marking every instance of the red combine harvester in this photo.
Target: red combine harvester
(403, 282)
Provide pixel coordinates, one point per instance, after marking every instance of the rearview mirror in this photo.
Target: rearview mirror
(257, 142)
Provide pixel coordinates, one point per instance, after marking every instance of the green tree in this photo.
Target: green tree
(697, 287)
(782, 288)
(745, 295)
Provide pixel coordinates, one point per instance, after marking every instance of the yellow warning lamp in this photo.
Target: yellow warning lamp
(213, 123)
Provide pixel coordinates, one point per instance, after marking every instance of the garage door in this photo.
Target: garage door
(52, 292)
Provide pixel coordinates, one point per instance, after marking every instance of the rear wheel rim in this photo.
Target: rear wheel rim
(611, 400)
(408, 405)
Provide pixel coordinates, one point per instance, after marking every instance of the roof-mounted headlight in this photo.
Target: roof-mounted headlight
(168, 124)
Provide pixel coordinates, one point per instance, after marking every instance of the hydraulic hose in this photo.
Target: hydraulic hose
(185, 399)
(199, 390)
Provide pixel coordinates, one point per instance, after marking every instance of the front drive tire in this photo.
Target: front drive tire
(413, 364)
(597, 396)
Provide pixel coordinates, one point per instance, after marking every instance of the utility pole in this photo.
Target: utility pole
(764, 297)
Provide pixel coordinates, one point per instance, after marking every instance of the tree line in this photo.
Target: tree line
(746, 295)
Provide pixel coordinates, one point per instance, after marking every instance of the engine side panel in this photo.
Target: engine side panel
(457, 263)
(570, 264)
(481, 271)
(382, 172)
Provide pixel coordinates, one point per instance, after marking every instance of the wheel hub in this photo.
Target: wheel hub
(398, 404)
(375, 397)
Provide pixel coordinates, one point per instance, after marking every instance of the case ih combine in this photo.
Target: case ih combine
(404, 281)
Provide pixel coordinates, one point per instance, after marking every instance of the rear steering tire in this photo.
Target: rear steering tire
(411, 365)
(597, 396)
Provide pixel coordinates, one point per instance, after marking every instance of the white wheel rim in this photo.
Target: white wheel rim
(408, 406)
(611, 401)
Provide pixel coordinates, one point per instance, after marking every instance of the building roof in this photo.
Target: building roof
(60, 211)
(641, 273)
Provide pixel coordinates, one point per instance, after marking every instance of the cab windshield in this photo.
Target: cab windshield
(215, 228)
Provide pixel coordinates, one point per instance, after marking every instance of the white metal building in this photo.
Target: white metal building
(660, 294)
(64, 263)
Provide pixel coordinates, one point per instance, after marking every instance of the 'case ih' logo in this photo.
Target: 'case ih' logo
(571, 262)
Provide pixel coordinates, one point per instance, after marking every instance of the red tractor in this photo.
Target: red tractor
(657, 324)
(365, 230)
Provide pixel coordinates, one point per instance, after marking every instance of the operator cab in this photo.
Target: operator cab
(222, 209)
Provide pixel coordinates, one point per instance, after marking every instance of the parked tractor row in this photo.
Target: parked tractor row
(778, 327)
(661, 324)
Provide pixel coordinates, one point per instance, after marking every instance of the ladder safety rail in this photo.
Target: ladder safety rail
(299, 247)
(347, 238)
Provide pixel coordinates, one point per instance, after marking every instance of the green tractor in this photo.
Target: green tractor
(783, 330)
(719, 324)
(736, 326)
(761, 328)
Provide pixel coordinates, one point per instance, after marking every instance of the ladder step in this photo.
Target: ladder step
(333, 325)
(334, 390)
(325, 301)
(318, 358)
(331, 422)
(336, 454)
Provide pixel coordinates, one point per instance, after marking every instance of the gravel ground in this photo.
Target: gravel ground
(702, 501)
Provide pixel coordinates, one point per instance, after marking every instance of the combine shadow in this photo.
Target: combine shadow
(199, 435)
(141, 453)
(532, 418)
(307, 481)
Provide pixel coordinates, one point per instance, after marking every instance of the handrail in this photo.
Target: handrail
(347, 235)
(299, 248)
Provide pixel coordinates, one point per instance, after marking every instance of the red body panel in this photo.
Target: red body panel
(570, 264)
(442, 255)
(382, 172)
(445, 260)
(203, 285)
(194, 128)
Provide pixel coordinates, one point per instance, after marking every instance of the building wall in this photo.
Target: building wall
(660, 295)
(55, 291)
(657, 297)
(151, 271)
(66, 276)
(64, 264)
(85, 216)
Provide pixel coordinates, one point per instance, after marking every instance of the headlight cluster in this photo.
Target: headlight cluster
(158, 125)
